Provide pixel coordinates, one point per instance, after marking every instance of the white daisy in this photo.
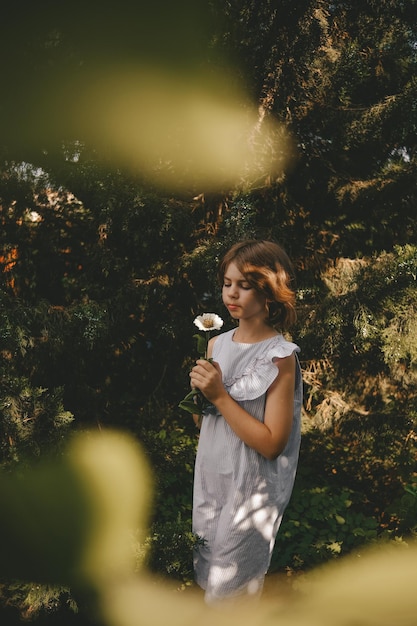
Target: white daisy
(208, 322)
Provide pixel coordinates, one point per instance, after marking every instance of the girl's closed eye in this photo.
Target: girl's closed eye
(245, 286)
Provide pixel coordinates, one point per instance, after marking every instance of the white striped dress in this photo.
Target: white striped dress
(240, 496)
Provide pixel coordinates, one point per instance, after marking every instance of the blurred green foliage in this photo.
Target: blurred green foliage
(321, 524)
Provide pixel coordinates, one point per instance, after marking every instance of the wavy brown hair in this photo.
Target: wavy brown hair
(268, 269)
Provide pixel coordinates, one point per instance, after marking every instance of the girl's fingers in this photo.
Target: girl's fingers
(204, 364)
(199, 369)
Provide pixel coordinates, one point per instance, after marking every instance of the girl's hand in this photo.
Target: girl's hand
(207, 376)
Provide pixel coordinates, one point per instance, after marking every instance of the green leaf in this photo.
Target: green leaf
(201, 344)
(190, 407)
(192, 402)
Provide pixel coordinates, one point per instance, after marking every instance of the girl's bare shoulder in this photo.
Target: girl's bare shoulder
(210, 345)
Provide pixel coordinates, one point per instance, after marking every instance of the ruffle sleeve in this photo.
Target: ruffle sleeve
(258, 377)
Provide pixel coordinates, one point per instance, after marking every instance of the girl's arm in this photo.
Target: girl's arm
(196, 419)
(269, 437)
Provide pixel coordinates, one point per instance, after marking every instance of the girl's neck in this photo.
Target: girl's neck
(248, 333)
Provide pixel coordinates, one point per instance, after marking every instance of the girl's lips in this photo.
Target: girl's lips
(232, 307)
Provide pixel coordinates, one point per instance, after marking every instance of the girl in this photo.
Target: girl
(250, 436)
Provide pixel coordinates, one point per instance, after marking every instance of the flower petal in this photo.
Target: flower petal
(208, 322)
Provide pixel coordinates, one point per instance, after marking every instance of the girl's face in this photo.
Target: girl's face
(242, 300)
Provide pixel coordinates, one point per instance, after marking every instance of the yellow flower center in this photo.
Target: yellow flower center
(208, 323)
